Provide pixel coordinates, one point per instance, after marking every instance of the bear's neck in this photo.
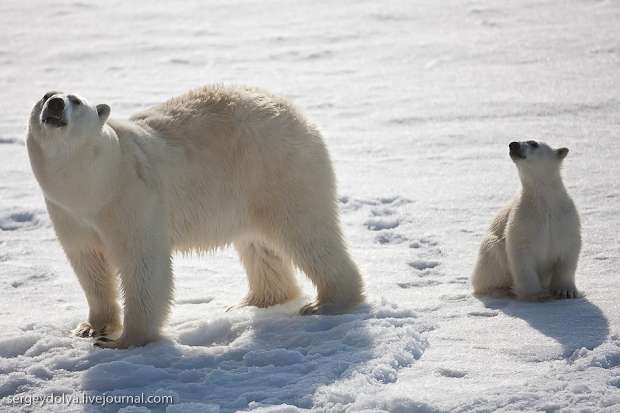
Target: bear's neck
(549, 189)
(81, 179)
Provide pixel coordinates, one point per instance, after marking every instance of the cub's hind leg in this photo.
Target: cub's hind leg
(491, 275)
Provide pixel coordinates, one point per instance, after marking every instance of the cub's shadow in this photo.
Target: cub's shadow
(247, 358)
(573, 323)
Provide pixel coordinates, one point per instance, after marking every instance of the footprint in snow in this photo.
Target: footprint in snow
(419, 283)
(423, 242)
(456, 374)
(384, 216)
(454, 297)
(388, 237)
(16, 220)
(378, 224)
(487, 314)
(422, 265)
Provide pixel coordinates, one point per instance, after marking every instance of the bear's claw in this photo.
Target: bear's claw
(564, 293)
(84, 329)
(318, 307)
(310, 309)
(107, 342)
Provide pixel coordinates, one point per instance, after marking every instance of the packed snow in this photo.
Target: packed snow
(417, 101)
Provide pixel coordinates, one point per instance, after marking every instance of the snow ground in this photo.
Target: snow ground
(417, 101)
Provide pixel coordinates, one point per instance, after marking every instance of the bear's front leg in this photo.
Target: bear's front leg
(99, 286)
(526, 280)
(563, 278)
(144, 260)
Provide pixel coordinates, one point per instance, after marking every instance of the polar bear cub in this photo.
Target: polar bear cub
(214, 167)
(533, 245)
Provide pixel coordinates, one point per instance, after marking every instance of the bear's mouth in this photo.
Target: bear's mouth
(54, 121)
(516, 154)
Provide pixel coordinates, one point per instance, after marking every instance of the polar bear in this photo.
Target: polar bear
(213, 167)
(533, 245)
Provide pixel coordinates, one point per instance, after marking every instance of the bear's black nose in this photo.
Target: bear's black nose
(514, 146)
(56, 105)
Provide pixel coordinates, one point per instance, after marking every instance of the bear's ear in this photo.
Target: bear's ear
(562, 152)
(103, 111)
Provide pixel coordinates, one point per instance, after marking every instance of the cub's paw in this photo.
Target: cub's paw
(86, 329)
(310, 309)
(566, 292)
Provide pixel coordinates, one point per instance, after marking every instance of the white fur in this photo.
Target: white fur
(533, 245)
(213, 167)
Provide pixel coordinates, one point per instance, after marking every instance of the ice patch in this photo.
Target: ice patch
(193, 408)
(198, 300)
(216, 332)
(121, 375)
(18, 345)
(277, 357)
(13, 383)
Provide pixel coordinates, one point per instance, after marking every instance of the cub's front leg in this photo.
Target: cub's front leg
(563, 278)
(524, 245)
(140, 248)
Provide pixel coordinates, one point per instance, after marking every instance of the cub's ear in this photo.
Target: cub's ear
(103, 111)
(562, 152)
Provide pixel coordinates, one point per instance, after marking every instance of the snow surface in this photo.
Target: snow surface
(417, 101)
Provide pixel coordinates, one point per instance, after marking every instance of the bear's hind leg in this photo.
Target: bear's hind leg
(321, 254)
(270, 276)
(491, 275)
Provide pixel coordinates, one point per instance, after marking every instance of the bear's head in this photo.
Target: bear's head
(537, 160)
(66, 119)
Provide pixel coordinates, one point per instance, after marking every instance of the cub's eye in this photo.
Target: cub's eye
(533, 144)
(74, 100)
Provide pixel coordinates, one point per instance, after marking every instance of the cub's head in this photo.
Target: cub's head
(537, 159)
(67, 118)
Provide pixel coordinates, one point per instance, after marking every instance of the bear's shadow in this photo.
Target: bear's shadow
(573, 323)
(248, 358)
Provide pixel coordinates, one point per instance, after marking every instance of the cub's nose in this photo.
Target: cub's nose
(56, 105)
(514, 146)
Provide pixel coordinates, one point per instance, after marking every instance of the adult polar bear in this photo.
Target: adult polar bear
(216, 166)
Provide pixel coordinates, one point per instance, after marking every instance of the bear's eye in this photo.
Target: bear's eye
(74, 100)
(48, 95)
(533, 144)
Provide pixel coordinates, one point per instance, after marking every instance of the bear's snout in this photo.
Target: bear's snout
(56, 105)
(53, 113)
(515, 150)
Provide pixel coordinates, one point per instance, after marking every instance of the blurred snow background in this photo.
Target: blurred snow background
(417, 101)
